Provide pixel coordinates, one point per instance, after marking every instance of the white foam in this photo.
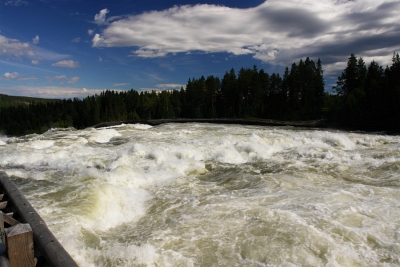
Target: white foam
(337, 140)
(42, 144)
(107, 206)
(103, 135)
(140, 126)
(229, 155)
(305, 194)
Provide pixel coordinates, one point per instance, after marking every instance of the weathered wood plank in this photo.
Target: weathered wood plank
(8, 219)
(45, 241)
(19, 243)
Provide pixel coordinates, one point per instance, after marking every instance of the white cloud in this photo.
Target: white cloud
(67, 64)
(44, 54)
(62, 79)
(55, 92)
(76, 40)
(54, 78)
(90, 32)
(35, 40)
(100, 59)
(170, 86)
(11, 76)
(15, 48)
(97, 39)
(101, 17)
(277, 31)
(74, 80)
(16, 3)
(120, 84)
(148, 53)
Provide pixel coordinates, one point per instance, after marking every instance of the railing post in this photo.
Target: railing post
(19, 243)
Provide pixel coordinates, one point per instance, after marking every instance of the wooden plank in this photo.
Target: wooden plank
(19, 243)
(45, 241)
(3, 205)
(8, 219)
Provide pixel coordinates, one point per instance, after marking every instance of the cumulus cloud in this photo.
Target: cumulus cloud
(35, 62)
(67, 64)
(277, 31)
(35, 40)
(90, 32)
(11, 76)
(101, 17)
(76, 40)
(15, 48)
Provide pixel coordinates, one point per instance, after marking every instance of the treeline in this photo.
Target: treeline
(250, 93)
(366, 98)
(9, 101)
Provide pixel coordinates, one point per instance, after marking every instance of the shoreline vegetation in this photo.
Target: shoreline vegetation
(366, 98)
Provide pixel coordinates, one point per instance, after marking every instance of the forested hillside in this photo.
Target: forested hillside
(367, 98)
(8, 101)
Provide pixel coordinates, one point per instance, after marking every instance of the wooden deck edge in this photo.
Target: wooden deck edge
(51, 249)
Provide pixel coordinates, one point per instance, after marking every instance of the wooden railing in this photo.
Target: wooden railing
(28, 241)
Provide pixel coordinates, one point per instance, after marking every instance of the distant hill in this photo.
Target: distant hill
(8, 101)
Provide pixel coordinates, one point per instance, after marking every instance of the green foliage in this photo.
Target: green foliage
(367, 98)
(12, 101)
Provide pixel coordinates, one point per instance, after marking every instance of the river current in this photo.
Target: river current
(213, 195)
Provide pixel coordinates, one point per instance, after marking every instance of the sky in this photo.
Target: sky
(75, 48)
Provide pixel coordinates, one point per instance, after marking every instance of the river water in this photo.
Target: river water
(214, 195)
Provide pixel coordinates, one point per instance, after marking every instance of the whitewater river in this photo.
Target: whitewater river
(214, 195)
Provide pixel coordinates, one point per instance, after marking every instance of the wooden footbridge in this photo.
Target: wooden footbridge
(25, 240)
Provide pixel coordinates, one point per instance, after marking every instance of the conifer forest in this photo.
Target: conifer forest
(366, 97)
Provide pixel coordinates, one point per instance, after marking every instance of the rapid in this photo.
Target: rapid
(213, 195)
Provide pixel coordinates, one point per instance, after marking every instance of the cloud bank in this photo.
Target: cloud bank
(55, 92)
(277, 31)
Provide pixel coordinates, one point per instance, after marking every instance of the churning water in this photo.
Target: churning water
(214, 195)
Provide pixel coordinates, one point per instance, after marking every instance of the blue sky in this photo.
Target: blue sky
(74, 48)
